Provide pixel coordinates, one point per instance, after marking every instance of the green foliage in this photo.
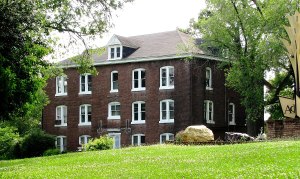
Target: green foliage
(51, 152)
(8, 139)
(36, 143)
(247, 34)
(101, 143)
(253, 160)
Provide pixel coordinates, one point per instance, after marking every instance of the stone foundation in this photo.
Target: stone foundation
(283, 128)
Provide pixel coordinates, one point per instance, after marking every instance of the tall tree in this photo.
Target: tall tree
(25, 27)
(247, 34)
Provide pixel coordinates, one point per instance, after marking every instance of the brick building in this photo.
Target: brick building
(146, 91)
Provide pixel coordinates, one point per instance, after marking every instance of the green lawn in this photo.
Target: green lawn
(253, 160)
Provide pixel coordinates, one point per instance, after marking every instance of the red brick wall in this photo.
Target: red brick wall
(283, 128)
(188, 95)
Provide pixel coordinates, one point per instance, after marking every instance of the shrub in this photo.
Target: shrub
(8, 138)
(178, 136)
(36, 143)
(101, 143)
(50, 152)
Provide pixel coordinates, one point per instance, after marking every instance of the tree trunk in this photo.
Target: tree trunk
(254, 127)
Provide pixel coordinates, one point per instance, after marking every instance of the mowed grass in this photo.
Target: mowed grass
(279, 159)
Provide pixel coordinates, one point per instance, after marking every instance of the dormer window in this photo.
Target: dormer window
(115, 52)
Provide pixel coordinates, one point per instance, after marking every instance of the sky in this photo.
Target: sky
(141, 17)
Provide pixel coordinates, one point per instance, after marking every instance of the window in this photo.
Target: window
(138, 80)
(209, 111)
(61, 86)
(86, 84)
(114, 82)
(166, 111)
(138, 112)
(231, 114)
(167, 77)
(61, 143)
(84, 139)
(117, 139)
(114, 110)
(166, 137)
(138, 139)
(208, 78)
(85, 114)
(61, 116)
(115, 52)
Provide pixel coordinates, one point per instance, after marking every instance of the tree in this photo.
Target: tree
(25, 38)
(247, 34)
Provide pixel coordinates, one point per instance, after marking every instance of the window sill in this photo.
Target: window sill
(62, 125)
(210, 122)
(166, 87)
(113, 118)
(138, 89)
(112, 59)
(114, 91)
(166, 121)
(84, 124)
(209, 88)
(138, 122)
(84, 93)
(232, 123)
(61, 94)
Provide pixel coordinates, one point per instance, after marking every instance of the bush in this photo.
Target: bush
(50, 152)
(102, 143)
(8, 139)
(36, 143)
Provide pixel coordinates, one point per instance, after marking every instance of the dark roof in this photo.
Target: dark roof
(171, 43)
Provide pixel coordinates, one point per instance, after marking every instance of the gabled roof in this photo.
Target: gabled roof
(164, 45)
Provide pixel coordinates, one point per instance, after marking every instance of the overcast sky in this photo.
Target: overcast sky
(143, 17)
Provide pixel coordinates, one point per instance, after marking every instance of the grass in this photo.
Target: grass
(279, 159)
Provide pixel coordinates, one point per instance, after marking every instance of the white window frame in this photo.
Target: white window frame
(168, 85)
(61, 83)
(232, 122)
(86, 84)
(167, 137)
(139, 120)
(63, 117)
(60, 144)
(139, 139)
(209, 85)
(207, 111)
(110, 116)
(86, 139)
(112, 90)
(168, 119)
(114, 47)
(117, 144)
(139, 88)
(86, 115)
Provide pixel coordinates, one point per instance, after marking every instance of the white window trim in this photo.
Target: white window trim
(209, 87)
(85, 139)
(64, 79)
(168, 120)
(233, 115)
(86, 123)
(110, 117)
(139, 88)
(167, 137)
(61, 141)
(139, 139)
(63, 107)
(86, 84)
(168, 86)
(115, 52)
(139, 121)
(113, 135)
(207, 114)
(111, 82)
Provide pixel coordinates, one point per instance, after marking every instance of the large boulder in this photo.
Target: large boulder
(199, 133)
